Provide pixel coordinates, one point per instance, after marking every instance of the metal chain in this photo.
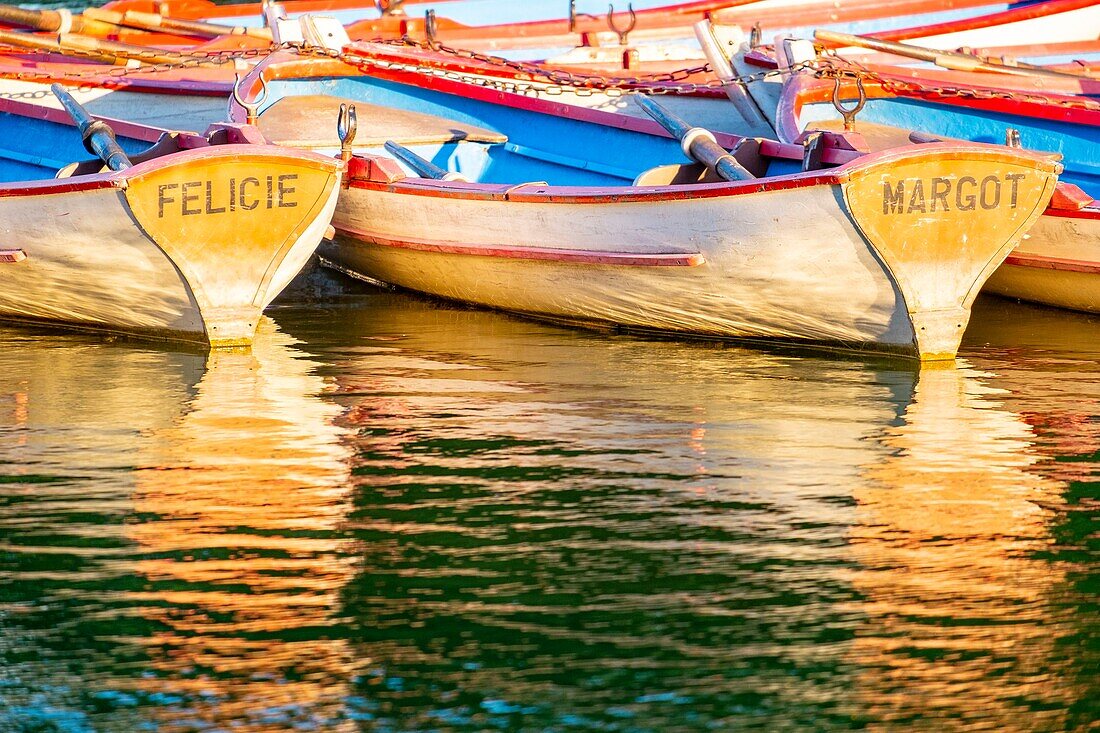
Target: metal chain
(552, 81)
(187, 60)
(543, 79)
(836, 66)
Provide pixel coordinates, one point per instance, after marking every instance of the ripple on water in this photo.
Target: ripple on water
(397, 515)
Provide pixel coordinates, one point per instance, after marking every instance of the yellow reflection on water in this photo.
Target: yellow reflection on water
(246, 494)
(945, 535)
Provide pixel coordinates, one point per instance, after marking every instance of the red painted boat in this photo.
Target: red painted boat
(668, 21)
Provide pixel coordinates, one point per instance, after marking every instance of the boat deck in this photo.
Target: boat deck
(309, 121)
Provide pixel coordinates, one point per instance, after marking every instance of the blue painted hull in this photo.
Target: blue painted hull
(543, 147)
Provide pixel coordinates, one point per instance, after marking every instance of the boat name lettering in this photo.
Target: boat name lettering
(192, 198)
(918, 196)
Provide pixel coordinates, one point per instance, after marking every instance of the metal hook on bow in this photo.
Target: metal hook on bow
(849, 115)
(252, 108)
(572, 15)
(623, 34)
(346, 125)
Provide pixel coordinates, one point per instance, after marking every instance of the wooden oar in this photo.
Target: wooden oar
(73, 44)
(697, 143)
(52, 21)
(98, 136)
(423, 167)
(146, 54)
(99, 22)
(180, 26)
(944, 59)
(39, 43)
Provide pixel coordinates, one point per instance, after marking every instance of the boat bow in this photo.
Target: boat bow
(237, 221)
(941, 218)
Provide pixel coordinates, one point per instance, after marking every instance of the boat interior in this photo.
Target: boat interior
(40, 144)
(33, 148)
(486, 143)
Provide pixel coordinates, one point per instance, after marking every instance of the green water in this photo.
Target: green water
(395, 515)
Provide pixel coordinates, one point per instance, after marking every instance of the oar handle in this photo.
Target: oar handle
(944, 59)
(697, 143)
(54, 21)
(39, 20)
(99, 138)
(423, 167)
(157, 22)
(31, 40)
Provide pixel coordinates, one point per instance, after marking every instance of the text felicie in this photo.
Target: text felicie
(192, 198)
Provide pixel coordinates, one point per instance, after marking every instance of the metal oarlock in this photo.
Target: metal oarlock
(252, 109)
(572, 15)
(346, 125)
(622, 33)
(849, 115)
(430, 28)
(756, 36)
(1012, 138)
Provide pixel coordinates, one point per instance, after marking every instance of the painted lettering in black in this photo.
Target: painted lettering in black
(189, 197)
(210, 208)
(893, 199)
(990, 197)
(922, 196)
(940, 188)
(286, 191)
(212, 197)
(966, 201)
(1015, 178)
(916, 199)
(244, 204)
(163, 197)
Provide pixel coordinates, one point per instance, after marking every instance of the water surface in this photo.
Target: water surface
(396, 515)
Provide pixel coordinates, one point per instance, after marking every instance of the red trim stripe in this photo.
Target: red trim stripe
(1089, 212)
(1054, 263)
(1012, 15)
(583, 257)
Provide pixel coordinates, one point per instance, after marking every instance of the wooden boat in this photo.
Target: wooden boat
(545, 26)
(630, 66)
(574, 217)
(1058, 262)
(189, 243)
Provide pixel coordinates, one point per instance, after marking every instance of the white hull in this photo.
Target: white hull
(788, 265)
(1057, 264)
(779, 291)
(91, 256)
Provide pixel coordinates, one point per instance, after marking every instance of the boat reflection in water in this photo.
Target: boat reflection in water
(244, 558)
(570, 529)
(446, 519)
(198, 580)
(947, 536)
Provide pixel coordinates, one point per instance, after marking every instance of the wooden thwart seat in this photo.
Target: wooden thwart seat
(309, 121)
